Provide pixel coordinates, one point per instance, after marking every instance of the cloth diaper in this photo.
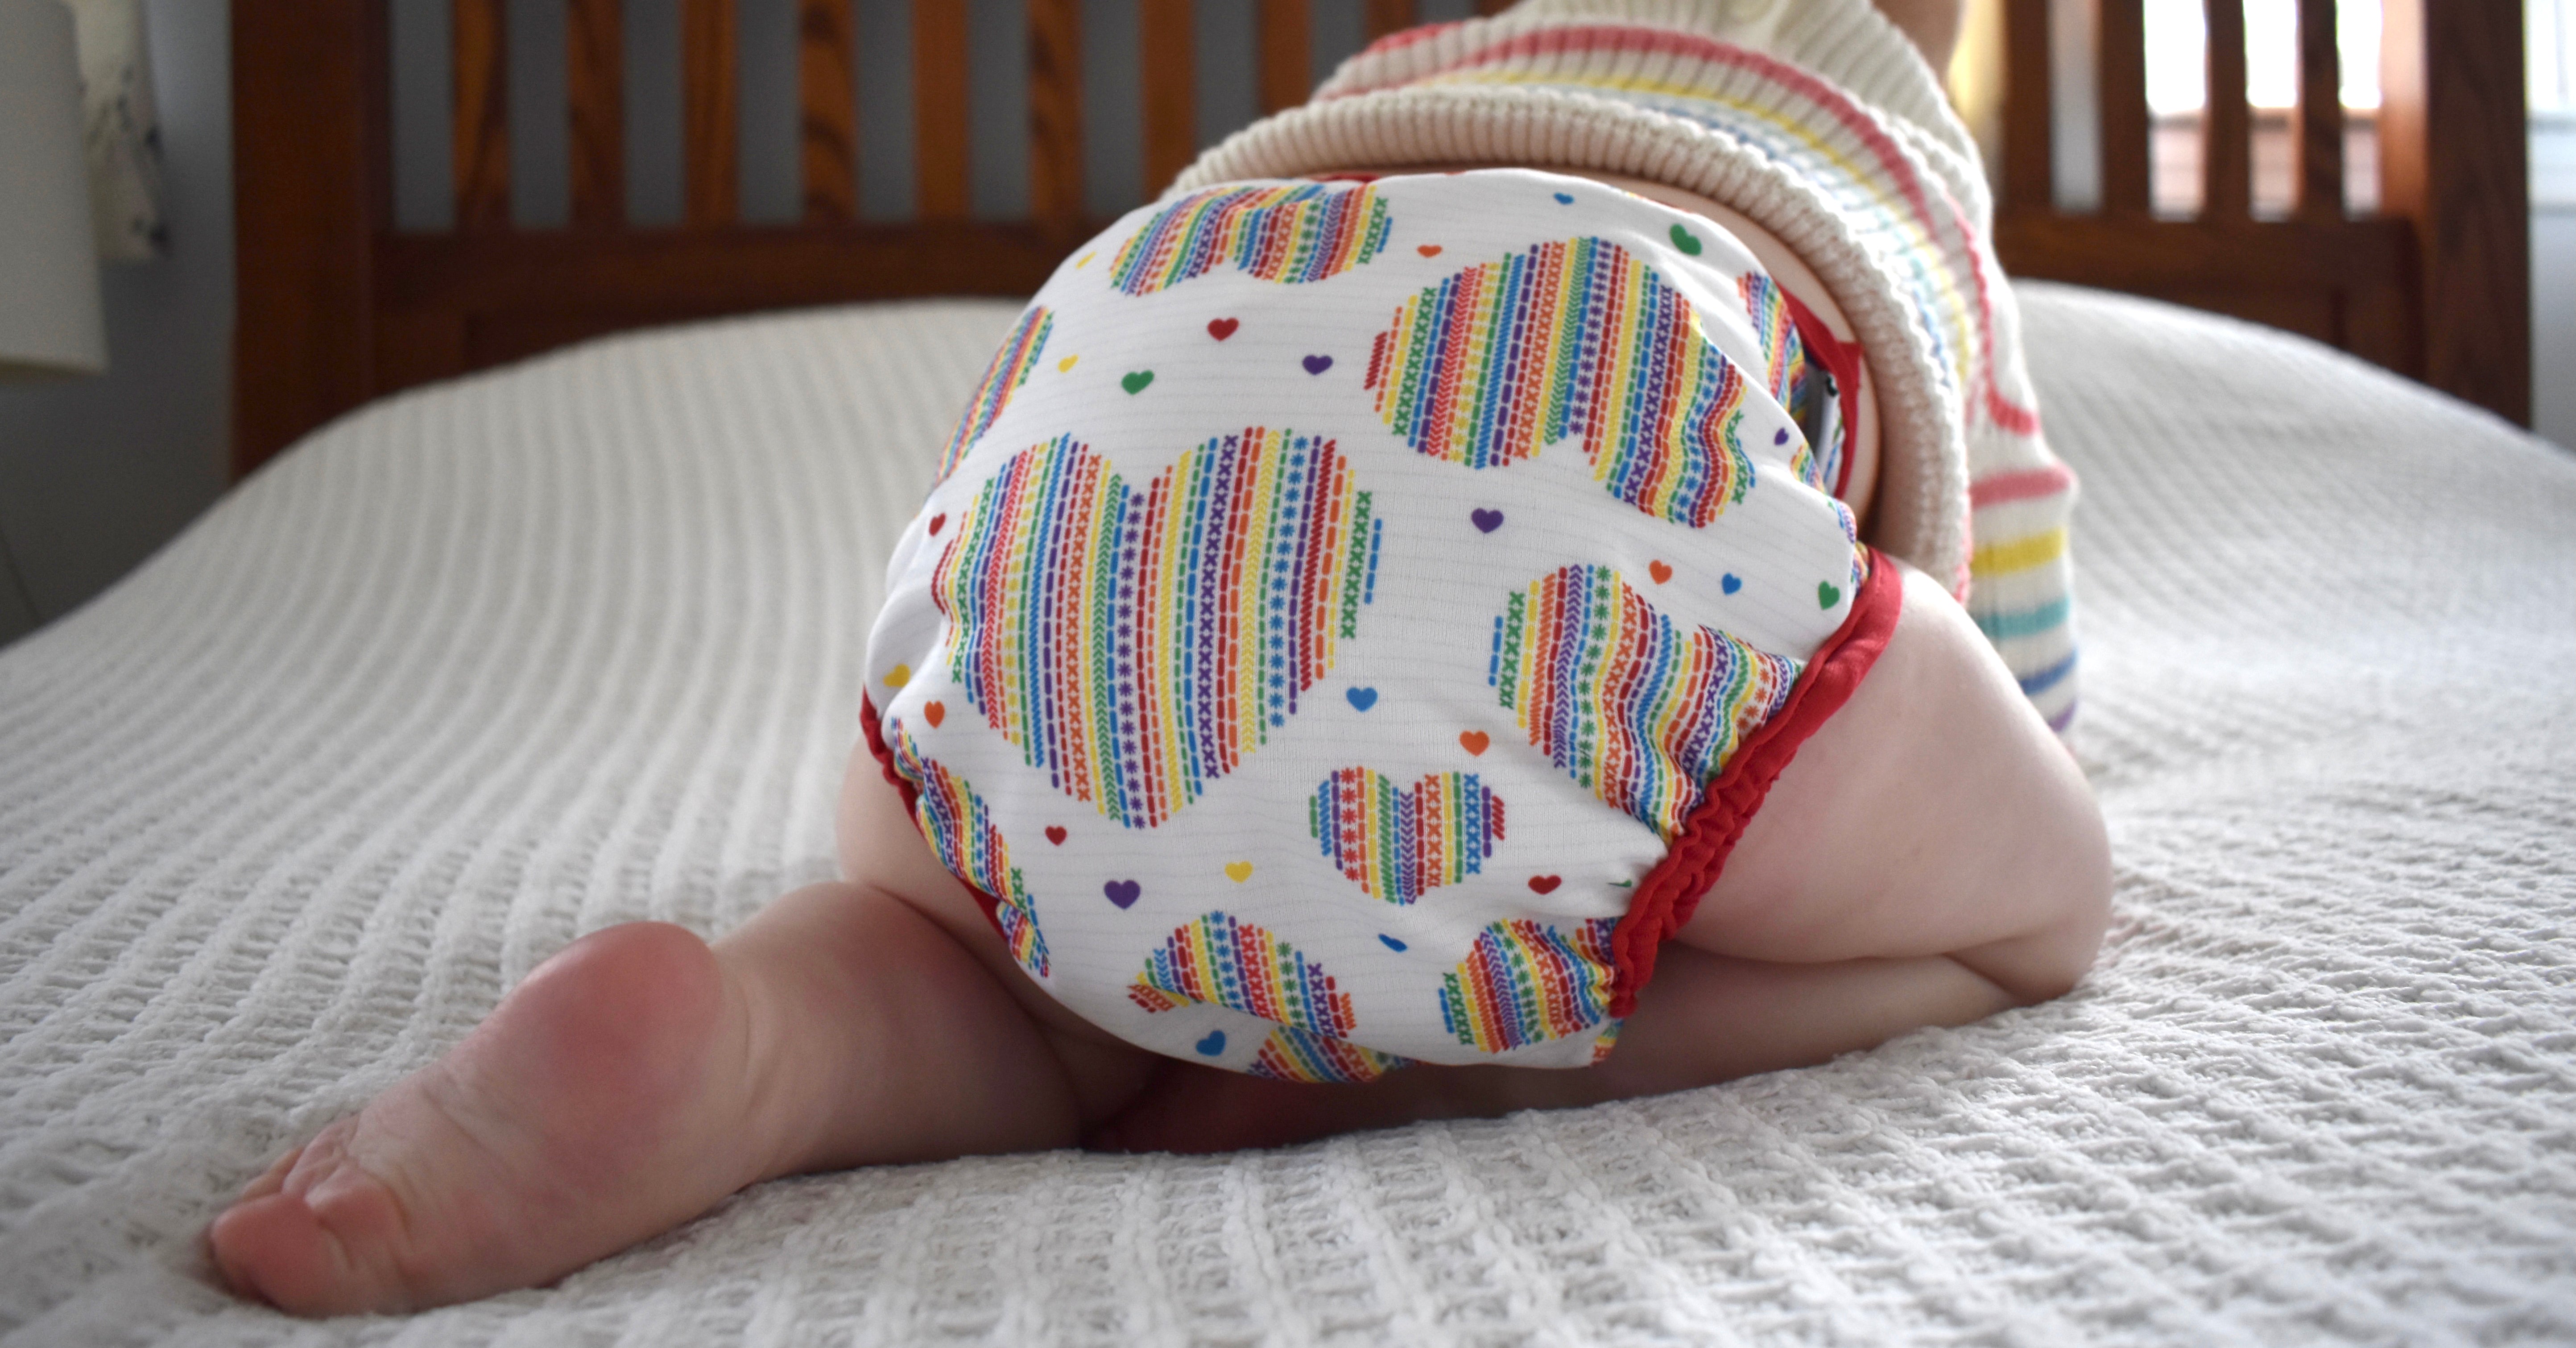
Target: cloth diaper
(1354, 619)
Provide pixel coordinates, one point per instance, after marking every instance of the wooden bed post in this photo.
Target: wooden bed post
(2453, 160)
(309, 193)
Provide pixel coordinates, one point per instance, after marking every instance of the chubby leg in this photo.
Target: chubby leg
(640, 1076)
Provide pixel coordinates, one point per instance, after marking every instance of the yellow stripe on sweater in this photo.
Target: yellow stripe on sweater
(2021, 554)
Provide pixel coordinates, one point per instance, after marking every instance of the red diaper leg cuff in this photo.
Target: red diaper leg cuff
(1671, 892)
(875, 731)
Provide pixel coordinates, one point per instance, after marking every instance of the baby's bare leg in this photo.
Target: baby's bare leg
(639, 1077)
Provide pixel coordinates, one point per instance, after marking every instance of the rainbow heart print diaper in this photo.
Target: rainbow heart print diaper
(1353, 619)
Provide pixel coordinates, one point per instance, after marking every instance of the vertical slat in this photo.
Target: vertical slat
(2028, 127)
(2123, 84)
(709, 134)
(595, 47)
(309, 198)
(2317, 146)
(939, 108)
(1388, 16)
(2226, 154)
(1167, 59)
(481, 150)
(1055, 110)
(827, 111)
(2454, 160)
(1287, 53)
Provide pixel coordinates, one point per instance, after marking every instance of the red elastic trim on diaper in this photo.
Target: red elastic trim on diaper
(1671, 892)
(912, 800)
(1842, 360)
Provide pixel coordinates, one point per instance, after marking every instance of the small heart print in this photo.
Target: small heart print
(1124, 893)
(1134, 381)
(1318, 364)
(1067, 363)
(1362, 698)
(1238, 871)
(898, 676)
(1686, 241)
(1055, 834)
(1660, 571)
(1487, 521)
(1222, 328)
(1427, 249)
(1390, 942)
(1545, 884)
(1214, 1044)
(1826, 595)
(1565, 198)
(1780, 436)
(1083, 261)
(934, 713)
(1731, 583)
(935, 522)
(1474, 741)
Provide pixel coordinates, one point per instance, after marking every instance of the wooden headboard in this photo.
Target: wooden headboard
(335, 306)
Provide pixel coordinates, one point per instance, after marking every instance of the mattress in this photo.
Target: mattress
(495, 663)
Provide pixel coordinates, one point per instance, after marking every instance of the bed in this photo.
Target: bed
(577, 640)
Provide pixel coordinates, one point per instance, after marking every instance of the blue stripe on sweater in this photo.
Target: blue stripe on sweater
(2035, 684)
(2022, 622)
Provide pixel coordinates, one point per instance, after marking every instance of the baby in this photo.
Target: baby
(1384, 644)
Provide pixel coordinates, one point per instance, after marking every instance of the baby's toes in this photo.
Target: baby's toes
(316, 1235)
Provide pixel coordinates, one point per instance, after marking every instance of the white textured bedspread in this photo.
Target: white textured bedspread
(500, 662)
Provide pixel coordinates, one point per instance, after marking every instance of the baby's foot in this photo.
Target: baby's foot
(607, 1099)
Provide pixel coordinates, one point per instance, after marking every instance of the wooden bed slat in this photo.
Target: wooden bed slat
(2122, 83)
(2226, 153)
(2316, 148)
(710, 134)
(1166, 62)
(594, 89)
(939, 109)
(481, 147)
(1388, 16)
(1287, 53)
(1055, 111)
(2454, 159)
(2029, 137)
(826, 112)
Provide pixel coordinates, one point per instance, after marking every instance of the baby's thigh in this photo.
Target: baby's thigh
(1933, 813)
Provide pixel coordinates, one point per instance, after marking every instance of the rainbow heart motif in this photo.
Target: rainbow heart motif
(958, 827)
(1524, 983)
(1307, 232)
(1578, 338)
(1641, 709)
(1219, 960)
(1399, 843)
(1009, 369)
(1086, 622)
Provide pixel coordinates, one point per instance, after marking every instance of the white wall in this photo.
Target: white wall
(96, 473)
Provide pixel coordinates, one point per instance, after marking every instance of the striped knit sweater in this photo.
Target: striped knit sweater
(1818, 120)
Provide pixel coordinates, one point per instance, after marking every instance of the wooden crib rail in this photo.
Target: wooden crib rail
(335, 306)
(2435, 285)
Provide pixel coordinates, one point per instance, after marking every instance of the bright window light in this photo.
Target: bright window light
(2178, 37)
